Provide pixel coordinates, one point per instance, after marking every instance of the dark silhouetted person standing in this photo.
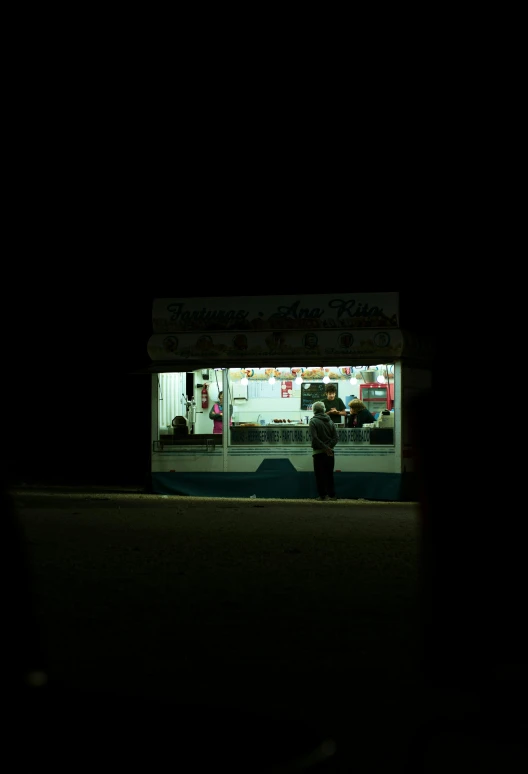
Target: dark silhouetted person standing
(324, 438)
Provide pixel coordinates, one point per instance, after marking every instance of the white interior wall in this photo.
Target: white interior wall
(284, 408)
(251, 410)
(170, 389)
(267, 408)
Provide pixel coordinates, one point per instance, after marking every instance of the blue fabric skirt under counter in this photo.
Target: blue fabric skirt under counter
(279, 479)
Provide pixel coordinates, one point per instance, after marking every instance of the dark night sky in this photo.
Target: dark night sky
(79, 415)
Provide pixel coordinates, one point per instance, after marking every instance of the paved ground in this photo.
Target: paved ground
(300, 611)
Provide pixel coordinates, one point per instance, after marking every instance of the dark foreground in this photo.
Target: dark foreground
(248, 631)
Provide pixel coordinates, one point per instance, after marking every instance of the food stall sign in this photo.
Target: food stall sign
(329, 345)
(258, 313)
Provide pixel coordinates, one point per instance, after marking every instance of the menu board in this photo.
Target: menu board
(310, 392)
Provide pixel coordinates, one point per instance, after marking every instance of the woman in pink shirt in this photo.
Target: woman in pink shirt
(217, 414)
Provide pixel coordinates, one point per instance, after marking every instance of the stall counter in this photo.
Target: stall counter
(298, 434)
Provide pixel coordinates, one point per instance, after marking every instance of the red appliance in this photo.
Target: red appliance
(376, 397)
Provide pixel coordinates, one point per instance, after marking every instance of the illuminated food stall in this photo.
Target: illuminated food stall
(272, 357)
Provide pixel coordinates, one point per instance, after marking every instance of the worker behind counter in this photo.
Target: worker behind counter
(359, 414)
(334, 406)
(217, 414)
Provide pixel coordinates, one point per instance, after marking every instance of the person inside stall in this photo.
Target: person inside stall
(334, 406)
(180, 427)
(359, 414)
(217, 414)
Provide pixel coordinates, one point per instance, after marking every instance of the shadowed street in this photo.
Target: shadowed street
(294, 609)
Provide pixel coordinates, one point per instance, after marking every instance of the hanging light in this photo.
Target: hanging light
(353, 380)
(298, 378)
(244, 380)
(381, 379)
(326, 378)
(271, 380)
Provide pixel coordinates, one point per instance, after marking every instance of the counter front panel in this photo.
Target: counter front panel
(299, 434)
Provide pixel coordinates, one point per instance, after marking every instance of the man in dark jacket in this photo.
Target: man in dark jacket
(324, 438)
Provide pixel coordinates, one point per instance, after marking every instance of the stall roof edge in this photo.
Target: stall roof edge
(180, 366)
